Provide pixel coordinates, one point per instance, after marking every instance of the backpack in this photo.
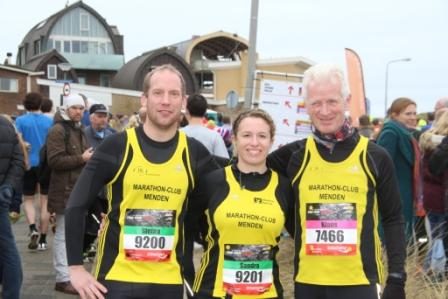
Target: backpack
(44, 170)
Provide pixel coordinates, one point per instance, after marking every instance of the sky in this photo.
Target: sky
(319, 30)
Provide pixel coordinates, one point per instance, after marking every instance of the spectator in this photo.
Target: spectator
(66, 163)
(365, 128)
(47, 108)
(11, 175)
(34, 127)
(195, 112)
(95, 134)
(435, 156)
(397, 139)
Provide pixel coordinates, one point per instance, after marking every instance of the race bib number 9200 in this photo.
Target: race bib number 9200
(149, 234)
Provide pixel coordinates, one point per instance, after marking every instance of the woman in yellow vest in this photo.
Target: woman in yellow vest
(246, 206)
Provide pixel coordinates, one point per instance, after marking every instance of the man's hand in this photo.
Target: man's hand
(86, 285)
(394, 289)
(6, 193)
(87, 154)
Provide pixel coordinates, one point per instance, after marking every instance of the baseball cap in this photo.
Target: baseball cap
(98, 108)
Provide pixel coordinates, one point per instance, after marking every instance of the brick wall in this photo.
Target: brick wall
(10, 100)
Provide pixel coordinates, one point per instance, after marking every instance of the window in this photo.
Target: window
(84, 47)
(67, 46)
(93, 47)
(105, 80)
(57, 45)
(36, 47)
(9, 85)
(102, 48)
(206, 81)
(84, 22)
(76, 46)
(20, 57)
(52, 72)
(81, 79)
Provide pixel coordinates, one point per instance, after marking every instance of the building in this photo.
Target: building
(15, 83)
(75, 44)
(213, 65)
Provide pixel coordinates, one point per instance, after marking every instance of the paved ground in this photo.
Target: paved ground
(38, 273)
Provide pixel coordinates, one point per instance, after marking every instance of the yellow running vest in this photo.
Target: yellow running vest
(332, 201)
(248, 224)
(153, 198)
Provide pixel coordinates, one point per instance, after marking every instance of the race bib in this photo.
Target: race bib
(247, 269)
(149, 234)
(331, 229)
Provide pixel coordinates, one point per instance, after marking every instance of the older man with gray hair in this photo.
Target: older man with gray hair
(341, 180)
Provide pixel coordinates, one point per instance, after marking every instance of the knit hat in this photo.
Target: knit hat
(73, 100)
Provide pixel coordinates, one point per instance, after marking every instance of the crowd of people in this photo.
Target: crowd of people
(167, 178)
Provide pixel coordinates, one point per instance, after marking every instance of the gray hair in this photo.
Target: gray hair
(324, 72)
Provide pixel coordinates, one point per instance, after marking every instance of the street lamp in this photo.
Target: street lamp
(387, 76)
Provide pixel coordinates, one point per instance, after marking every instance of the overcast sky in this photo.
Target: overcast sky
(378, 30)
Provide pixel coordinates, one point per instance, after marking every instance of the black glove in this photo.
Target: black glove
(6, 193)
(394, 288)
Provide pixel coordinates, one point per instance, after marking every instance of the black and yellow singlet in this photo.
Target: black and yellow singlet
(147, 200)
(245, 216)
(338, 214)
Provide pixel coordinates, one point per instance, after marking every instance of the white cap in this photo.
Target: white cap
(73, 100)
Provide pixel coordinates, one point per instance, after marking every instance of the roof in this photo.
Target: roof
(212, 45)
(36, 62)
(131, 75)
(43, 28)
(17, 69)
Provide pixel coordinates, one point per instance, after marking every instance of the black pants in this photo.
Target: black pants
(129, 290)
(227, 297)
(311, 291)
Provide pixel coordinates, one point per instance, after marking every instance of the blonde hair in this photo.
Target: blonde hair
(439, 128)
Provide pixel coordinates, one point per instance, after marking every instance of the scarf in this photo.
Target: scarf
(417, 183)
(329, 140)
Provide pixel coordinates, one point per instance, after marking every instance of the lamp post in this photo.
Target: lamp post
(387, 77)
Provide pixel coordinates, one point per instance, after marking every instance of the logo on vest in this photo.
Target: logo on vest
(353, 169)
(141, 171)
(263, 201)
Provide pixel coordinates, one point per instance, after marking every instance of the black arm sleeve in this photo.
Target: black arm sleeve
(101, 168)
(389, 204)
(279, 159)
(288, 204)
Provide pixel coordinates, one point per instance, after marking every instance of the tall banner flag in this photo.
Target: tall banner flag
(284, 102)
(357, 105)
